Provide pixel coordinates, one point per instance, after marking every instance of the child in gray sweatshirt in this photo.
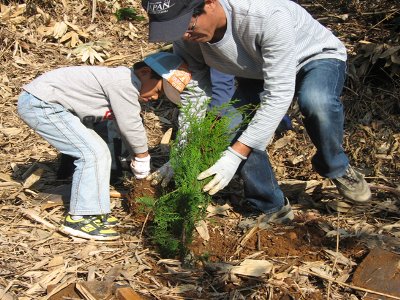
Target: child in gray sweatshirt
(62, 106)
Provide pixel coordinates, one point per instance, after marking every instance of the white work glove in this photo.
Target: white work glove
(163, 175)
(140, 167)
(224, 170)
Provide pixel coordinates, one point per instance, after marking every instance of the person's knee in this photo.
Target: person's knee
(315, 103)
(99, 156)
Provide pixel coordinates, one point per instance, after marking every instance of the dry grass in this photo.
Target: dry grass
(35, 254)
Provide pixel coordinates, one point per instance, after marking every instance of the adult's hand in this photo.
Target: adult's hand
(224, 170)
(163, 175)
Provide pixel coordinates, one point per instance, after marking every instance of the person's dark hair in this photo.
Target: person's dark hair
(141, 64)
(197, 11)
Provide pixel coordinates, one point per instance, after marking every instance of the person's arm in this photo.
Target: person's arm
(279, 69)
(123, 138)
(126, 109)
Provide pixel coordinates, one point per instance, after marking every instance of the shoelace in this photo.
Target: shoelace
(90, 220)
(95, 220)
(350, 176)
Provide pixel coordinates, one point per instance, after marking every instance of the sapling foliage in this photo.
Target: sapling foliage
(194, 150)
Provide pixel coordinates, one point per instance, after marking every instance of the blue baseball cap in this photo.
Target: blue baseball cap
(174, 72)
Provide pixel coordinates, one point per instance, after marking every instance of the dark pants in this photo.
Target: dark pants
(318, 87)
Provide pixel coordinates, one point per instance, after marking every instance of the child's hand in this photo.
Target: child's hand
(140, 167)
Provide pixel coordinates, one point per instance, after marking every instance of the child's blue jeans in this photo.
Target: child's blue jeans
(318, 87)
(64, 131)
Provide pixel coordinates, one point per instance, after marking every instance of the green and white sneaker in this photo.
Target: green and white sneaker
(107, 220)
(89, 227)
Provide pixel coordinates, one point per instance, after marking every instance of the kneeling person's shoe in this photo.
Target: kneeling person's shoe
(89, 227)
(282, 216)
(353, 186)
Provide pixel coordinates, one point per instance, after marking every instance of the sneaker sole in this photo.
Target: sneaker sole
(81, 234)
(340, 206)
(347, 206)
(356, 198)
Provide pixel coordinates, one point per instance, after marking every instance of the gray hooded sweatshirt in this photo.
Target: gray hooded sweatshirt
(96, 94)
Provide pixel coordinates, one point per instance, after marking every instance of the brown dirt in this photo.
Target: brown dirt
(34, 254)
(297, 242)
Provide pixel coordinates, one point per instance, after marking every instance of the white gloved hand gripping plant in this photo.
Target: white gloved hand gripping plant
(140, 167)
(163, 175)
(224, 170)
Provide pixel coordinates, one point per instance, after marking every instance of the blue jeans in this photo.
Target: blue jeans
(318, 87)
(223, 87)
(64, 131)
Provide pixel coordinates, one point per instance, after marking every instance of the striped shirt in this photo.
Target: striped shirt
(264, 39)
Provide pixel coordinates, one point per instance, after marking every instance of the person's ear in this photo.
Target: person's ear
(143, 72)
(210, 5)
(209, 2)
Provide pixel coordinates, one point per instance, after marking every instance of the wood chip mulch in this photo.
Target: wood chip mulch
(313, 258)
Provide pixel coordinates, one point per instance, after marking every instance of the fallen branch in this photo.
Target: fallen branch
(385, 188)
(244, 240)
(164, 48)
(10, 184)
(330, 279)
(31, 214)
(384, 19)
(94, 8)
(379, 12)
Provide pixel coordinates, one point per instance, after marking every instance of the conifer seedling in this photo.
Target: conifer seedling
(177, 212)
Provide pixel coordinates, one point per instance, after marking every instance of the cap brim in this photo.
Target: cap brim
(172, 93)
(169, 31)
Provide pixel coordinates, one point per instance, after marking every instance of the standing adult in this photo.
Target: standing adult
(279, 46)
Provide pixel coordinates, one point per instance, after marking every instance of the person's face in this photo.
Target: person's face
(209, 26)
(152, 88)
